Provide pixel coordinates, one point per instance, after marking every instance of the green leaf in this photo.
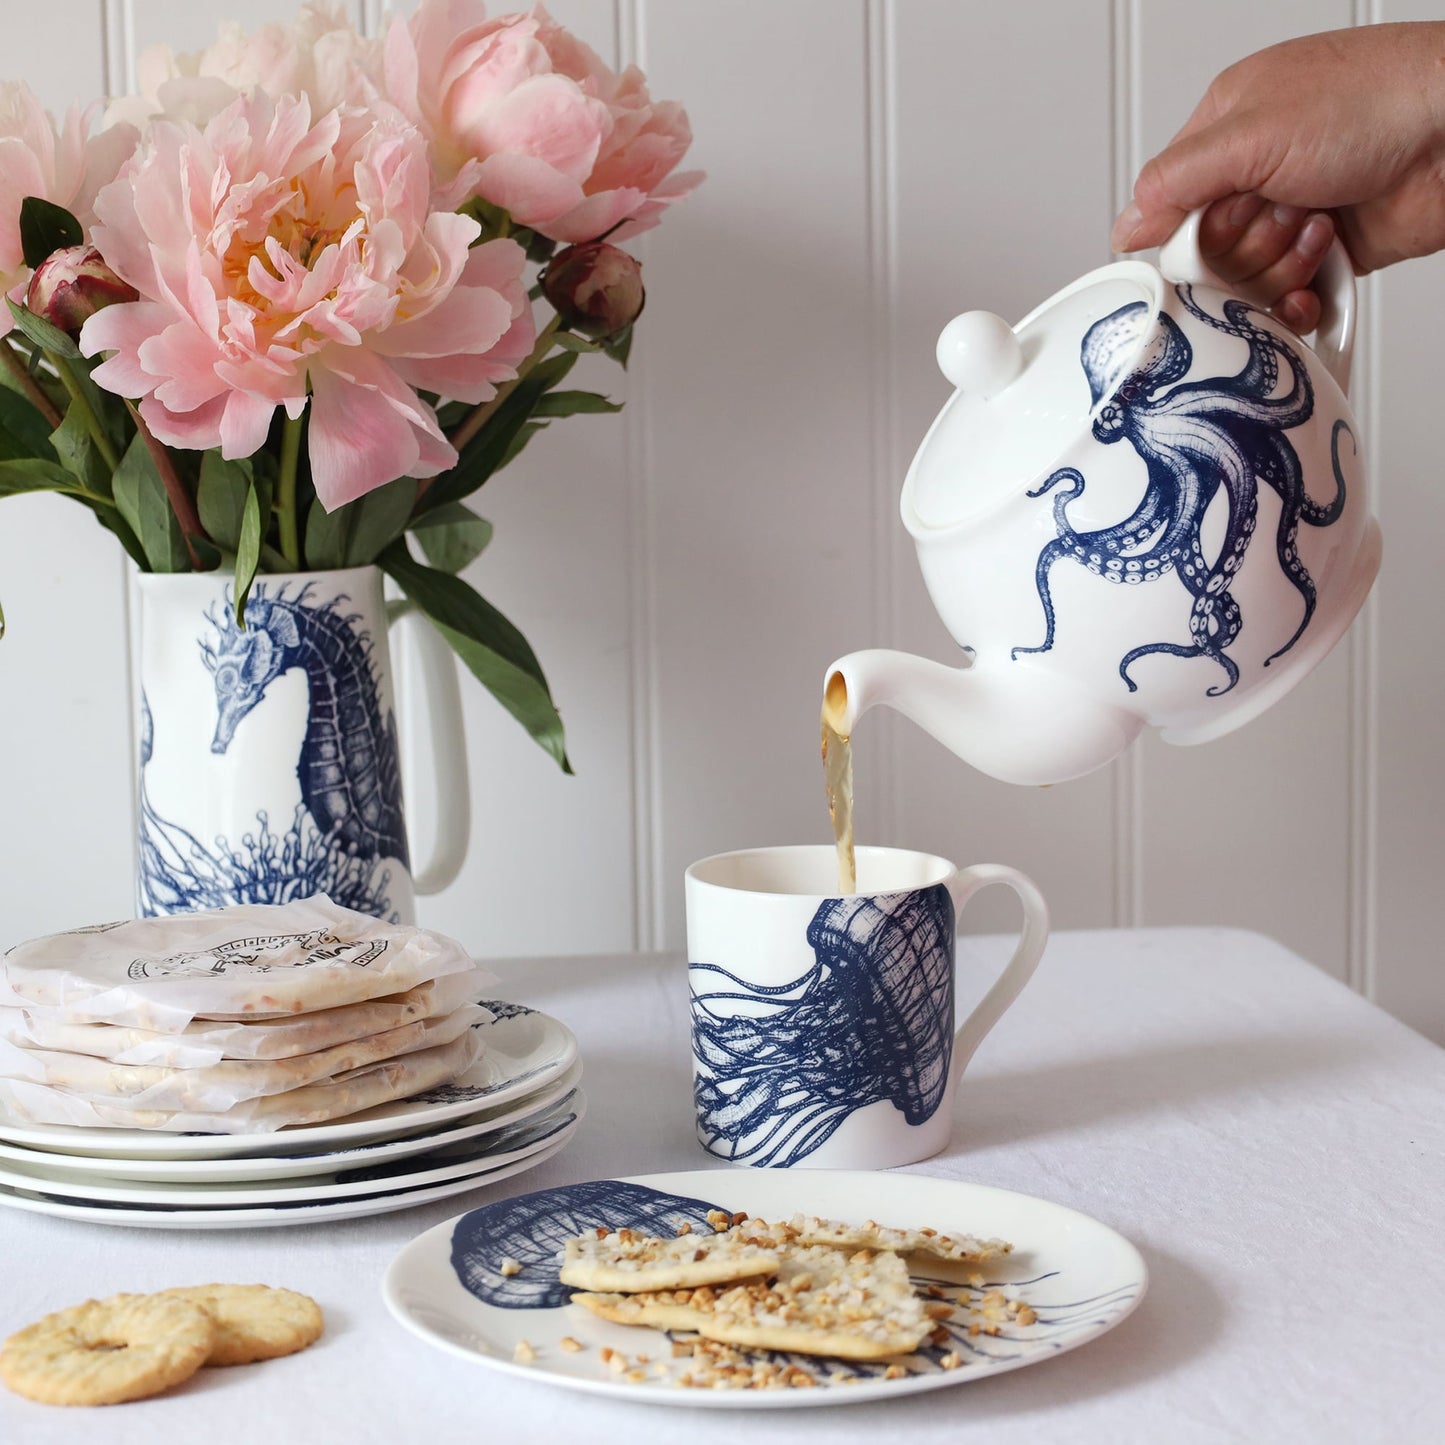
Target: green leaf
(525, 433)
(77, 451)
(451, 414)
(23, 431)
(452, 536)
(255, 518)
(221, 498)
(45, 228)
(357, 532)
(572, 403)
(42, 333)
(490, 449)
(141, 497)
(492, 648)
(619, 347)
(570, 341)
(31, 474)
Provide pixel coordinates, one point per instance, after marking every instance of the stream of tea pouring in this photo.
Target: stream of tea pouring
(838, 780)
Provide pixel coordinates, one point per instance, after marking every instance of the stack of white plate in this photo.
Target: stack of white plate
(516, 1106)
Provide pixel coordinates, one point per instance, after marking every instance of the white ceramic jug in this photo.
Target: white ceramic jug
(1142, 506)
(269, 766)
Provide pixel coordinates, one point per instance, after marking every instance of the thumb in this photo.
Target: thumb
(1219, 160)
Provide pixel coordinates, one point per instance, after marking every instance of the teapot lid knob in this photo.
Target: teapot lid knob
(978, 352)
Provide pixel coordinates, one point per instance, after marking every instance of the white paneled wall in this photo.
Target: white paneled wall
(686, 570)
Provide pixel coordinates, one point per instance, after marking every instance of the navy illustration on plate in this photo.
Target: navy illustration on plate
(1197, 440)
(350, 818)
(532, 1228)
(870, 1022)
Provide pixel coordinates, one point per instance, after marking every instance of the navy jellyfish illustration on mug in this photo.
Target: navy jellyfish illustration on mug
(1197, 439)
(779, 1068)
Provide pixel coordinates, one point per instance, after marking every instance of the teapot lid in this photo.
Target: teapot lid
(1025, 393)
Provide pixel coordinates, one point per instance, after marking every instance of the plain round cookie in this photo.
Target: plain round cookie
(254, 1321)
(104, 1352)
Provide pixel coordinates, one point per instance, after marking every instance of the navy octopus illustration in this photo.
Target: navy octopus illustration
(350, 817)
(1195, 438)
(870, 1022)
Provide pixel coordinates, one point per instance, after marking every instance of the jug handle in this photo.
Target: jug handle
(448, 750)
(1334, 338)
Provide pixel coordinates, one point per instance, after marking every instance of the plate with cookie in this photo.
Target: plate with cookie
(763, 1289)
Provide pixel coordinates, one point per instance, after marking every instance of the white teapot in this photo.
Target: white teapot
(1143, 505)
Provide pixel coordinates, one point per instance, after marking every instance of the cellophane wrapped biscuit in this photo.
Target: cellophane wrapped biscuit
(253, 961)
(204, 1042)
(365, 1088)
(218, 1087)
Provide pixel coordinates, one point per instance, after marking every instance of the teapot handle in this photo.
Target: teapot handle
(1334, 338)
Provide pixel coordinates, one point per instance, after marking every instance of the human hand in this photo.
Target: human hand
(1340, 131)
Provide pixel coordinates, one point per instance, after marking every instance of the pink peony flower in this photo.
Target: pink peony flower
(62, 166)
(522, 114)
(320, 56)
(279, 262)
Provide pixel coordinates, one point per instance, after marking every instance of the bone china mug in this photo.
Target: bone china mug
(823, 1029)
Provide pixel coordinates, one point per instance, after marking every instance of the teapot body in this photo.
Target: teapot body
(1170, 522)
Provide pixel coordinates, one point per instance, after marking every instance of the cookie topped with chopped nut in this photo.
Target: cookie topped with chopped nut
(624, 1261)
(820, 1301)
(809, 1229)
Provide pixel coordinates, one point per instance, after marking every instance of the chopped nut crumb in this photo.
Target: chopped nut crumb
(510, 1267)
(570, 1345)
(525, 1352)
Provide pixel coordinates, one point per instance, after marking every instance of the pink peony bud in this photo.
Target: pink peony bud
(72, 284)
(595, 288)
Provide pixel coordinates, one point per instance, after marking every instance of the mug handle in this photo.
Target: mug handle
(1334, 338)
(1019, 969)
(449, 758)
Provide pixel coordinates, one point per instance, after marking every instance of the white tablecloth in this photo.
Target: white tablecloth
(1274, 1145)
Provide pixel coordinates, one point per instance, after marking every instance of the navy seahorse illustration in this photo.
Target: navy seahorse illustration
(1200, 438)
(350, 817)
(532, 1228)
(871, 1021)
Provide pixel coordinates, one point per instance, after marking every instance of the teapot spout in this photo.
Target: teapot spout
(1013, 723)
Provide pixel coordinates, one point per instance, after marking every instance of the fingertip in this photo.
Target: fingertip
(1226, 220)
(1315, 235)
(1300, 311)
(1126, 226)
(1136, 230)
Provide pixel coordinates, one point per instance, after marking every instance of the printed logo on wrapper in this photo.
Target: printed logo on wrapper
(245, 954)
(251, 961)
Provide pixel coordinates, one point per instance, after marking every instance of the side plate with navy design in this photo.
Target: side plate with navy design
(449, 1286)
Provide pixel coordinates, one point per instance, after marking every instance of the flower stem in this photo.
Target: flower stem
(484, 413)
(285, 505)
(29, 385)
(176, 493)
